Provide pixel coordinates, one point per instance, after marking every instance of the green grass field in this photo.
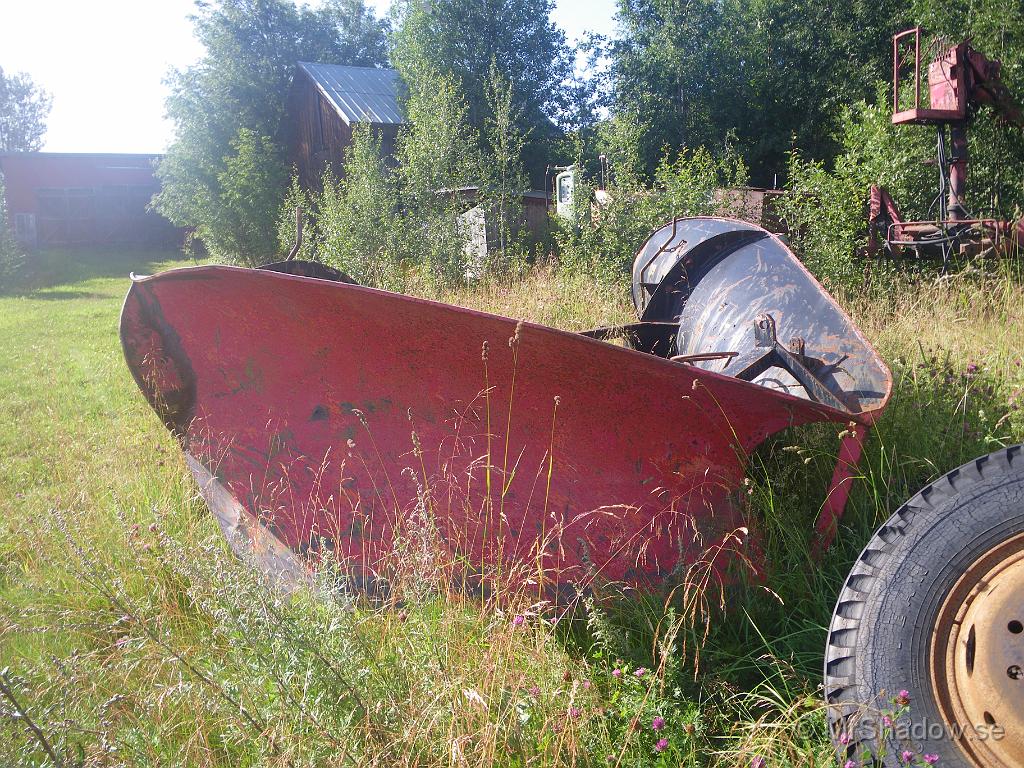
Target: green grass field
(130, 636)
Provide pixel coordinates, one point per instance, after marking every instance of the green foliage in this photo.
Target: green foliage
(11, 257)
(387, 222)
(23, 110)
(775, 71)
(297, 197)
(503, 179)
(229, 112)
(464, 39)
(826, 211)
(606, 237)
(250, 187)
(361, 38)
(359, 230)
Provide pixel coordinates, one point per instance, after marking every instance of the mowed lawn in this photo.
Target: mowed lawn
(75, 433)
(129, 636)
(77, 443)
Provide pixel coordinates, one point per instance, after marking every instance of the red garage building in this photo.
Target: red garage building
(62, 199)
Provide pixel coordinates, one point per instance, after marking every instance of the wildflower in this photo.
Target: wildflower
(972, 368)
(903, 698)
(535, 691)
(887, 721)
(616, 673)
(844, 739)
(658, 723)
(849, 764)
(660, 746)
(518, 620)
(574, 713)
(906, 756)
(758, 762)
(586, 685)
(930, 759)
(640, 672)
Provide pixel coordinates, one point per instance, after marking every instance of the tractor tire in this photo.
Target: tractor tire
(926, 645)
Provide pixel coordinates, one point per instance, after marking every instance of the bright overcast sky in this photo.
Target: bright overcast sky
(104, 63)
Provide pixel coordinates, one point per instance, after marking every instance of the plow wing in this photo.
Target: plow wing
(322, 417)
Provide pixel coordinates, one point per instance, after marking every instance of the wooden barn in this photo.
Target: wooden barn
(83, 199)
(327, 101)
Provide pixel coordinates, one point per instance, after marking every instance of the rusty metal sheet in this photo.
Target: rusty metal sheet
(331, 414)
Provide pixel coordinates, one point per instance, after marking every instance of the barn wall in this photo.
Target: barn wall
(57, 199)
(319, 137)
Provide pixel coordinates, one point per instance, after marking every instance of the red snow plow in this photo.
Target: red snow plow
(317, 414)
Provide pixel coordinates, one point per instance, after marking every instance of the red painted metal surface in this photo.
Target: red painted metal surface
(851, 448)
(327, 415)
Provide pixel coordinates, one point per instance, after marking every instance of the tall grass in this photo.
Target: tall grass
(129, 635)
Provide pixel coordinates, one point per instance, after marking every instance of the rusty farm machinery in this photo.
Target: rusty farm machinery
(959, 81)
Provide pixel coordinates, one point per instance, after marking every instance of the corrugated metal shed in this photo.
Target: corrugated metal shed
(360, 94)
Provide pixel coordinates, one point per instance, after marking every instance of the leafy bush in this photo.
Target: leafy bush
(503, 180)
(297, 197)
(358, 228)
(606, 237)
(388, 223)
(250, 184)
(826, 211)
(11, 257)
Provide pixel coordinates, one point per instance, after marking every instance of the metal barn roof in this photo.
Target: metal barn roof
(360, 94)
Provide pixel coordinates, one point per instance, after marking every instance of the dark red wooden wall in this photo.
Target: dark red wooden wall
(61, 199)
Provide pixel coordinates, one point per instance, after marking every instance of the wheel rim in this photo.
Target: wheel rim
(977, 658)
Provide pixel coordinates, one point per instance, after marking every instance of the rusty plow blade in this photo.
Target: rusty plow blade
(321, 418)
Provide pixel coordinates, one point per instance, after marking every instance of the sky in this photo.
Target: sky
(104, 63)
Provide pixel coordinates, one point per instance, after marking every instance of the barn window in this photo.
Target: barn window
(81, 203)
(25, 228)
(53, 203)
